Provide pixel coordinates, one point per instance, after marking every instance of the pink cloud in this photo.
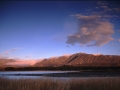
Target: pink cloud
(93, 31)
(23, 62)
(119, 40)
(97, 54)
(67, 55)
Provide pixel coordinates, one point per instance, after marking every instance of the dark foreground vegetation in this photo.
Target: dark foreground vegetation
(65, 67)
(58, 84)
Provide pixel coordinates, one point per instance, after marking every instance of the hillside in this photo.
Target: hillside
(55, 61)
(78, 59)
(82, 59)
(3, 62)
(93, 60)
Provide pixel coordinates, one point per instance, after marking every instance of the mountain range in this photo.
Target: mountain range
(82, 59)
(78, 59)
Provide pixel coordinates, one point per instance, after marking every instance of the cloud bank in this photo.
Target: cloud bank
(23, 62)
(94, 29)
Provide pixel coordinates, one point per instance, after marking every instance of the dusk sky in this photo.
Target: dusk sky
(43, 29)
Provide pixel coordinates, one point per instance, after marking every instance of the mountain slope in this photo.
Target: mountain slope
(93, 60)
(82, 59)
(56, 61)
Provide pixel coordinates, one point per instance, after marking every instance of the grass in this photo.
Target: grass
(109, 83)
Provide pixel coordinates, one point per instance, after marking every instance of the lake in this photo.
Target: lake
(56, 74)
(29, 74)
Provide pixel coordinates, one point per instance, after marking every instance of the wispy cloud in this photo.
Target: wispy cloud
(28, 56)
(119, 40)
(11, 50)
(104, 5)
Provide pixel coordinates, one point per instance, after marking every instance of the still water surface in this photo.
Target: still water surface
(28, 74)
(56, 74)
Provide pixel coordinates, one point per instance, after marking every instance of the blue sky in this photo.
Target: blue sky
(43, 29)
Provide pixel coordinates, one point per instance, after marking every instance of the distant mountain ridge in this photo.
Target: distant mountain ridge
(78, 59)
(82, 59)
(3, 62)
(56, 61)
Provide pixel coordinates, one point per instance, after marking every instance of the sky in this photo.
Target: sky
(42, 29)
